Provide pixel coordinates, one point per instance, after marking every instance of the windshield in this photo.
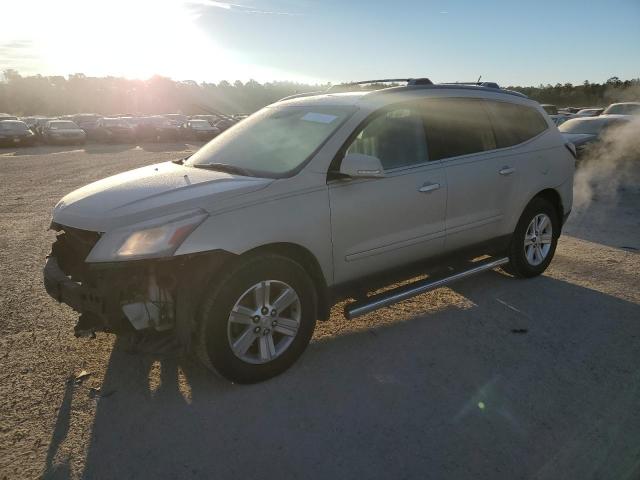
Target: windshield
(200, 124)
(13, 125)
(62, 125)
(623, 109)
(576, 125)
(274, 141)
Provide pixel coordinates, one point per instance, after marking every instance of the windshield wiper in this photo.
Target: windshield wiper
(180, 161)
(224, 167)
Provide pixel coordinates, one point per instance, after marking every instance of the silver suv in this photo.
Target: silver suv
(241, 247)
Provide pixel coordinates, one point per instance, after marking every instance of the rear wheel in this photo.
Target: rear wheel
(534, 240)
(258, 318)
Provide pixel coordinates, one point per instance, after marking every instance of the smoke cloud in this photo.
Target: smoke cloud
(609, 166)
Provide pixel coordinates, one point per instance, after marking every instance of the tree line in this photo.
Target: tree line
(586, 95)
(78, 93)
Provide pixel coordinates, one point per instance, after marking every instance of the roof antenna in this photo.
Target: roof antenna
(478, 82)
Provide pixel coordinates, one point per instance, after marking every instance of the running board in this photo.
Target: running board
(399, 294)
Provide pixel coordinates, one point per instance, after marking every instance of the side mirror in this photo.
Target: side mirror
(358, 165)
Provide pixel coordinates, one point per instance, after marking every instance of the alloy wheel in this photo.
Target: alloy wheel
(537, 239)
(264, 322)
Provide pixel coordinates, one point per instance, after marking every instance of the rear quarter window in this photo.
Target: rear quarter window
(513, 123)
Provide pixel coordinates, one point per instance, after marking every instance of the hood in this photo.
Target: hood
(149, 192)
(579, 138)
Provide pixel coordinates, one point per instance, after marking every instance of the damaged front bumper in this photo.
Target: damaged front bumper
(107, 308)
(120, 298)
(117, 297)
(61, 287)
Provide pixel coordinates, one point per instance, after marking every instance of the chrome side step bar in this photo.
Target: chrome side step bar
(399, 294)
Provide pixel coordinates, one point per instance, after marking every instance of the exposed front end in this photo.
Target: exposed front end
(124, 296)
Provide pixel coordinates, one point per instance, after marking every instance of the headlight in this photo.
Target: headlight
(157, 238)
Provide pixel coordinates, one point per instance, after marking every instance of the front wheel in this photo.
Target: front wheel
(258, 318)
(534, 240)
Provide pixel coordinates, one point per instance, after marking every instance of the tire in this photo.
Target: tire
(236, 290)
(527, 261)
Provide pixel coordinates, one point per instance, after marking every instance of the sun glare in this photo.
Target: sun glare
(135, 39)
(126, 38)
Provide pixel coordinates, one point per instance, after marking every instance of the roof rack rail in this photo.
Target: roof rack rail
(412, 83)
(479, 84)
(408, 81)
(301, 95)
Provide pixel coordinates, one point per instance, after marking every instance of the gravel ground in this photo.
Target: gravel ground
(492, 378)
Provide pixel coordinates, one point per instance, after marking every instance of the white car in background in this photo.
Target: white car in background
(241, 247)
(589, 112)
(624, 108)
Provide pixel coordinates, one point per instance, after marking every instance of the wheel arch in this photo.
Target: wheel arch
(553, 197)
(308, 261)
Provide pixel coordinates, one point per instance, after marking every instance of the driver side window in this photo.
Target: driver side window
(396, 137)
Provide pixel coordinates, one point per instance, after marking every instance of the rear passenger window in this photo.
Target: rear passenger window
(513, 123)
(457, 126)
(396, 137)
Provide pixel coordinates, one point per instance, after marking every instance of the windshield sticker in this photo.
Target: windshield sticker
(319, 117)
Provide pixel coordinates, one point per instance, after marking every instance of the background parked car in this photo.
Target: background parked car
(199, 129)
(15, 132)
(89, 123)
(63, 132)
(589, 112)
(30, 121)
(40, 123)
(157, 129)
(179, 118)
(7, 117)
(559, 119)
(626, 108)
(550, 109)
(225, 123)
(212, 119)
(112, 130)
(584, 132)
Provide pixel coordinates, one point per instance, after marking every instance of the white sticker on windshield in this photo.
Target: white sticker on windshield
(319, 117)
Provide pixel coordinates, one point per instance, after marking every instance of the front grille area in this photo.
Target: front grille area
(71, 247)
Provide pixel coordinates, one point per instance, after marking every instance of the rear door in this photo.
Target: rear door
(377, 224)
(480, 179)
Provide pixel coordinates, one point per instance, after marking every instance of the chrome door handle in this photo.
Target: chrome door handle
(429, 187)
(507, 170)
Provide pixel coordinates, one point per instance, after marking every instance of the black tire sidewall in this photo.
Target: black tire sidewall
(518, 264)
(226, 291)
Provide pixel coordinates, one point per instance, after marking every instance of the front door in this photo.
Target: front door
(381, 223)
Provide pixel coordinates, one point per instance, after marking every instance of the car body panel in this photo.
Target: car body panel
(380, 223)
(293, 211)
(155, 190)
(353, 227)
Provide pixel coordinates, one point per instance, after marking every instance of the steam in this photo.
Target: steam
(609, 166)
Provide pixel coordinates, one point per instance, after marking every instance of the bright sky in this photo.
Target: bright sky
(511, 42)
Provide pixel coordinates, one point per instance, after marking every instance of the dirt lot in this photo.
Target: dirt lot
(442, 386)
